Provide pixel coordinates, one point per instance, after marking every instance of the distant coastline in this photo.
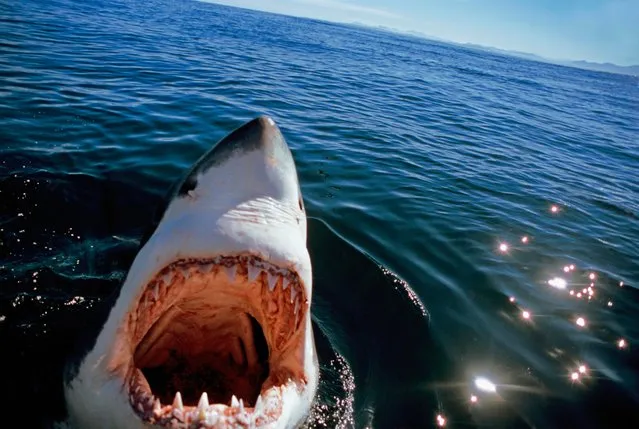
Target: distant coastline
(632, 70)
(587, 65)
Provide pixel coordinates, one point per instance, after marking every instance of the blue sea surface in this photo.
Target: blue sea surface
(473, 215)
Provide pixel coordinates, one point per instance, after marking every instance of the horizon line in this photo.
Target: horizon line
(422, 35)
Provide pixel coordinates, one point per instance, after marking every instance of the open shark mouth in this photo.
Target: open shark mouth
(220, 340)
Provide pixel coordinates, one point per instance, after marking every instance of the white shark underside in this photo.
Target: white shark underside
(212, 324)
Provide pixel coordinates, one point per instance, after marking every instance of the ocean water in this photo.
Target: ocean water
(445, 188)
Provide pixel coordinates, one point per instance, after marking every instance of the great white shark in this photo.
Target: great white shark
(212, 326)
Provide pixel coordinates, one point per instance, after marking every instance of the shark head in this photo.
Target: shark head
(212, 324)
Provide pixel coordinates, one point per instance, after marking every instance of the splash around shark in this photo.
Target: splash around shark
(212, 326)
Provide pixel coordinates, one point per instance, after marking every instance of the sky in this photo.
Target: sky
(591, 30)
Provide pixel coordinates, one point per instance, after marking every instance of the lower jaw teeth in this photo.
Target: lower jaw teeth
(205, 412)
(177, 401)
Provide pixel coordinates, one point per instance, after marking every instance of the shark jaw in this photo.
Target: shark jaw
(214, 343)
(212, 326)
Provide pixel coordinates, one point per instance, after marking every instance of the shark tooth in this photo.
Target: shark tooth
(272, 281)
(206, 268)
(230, 273)
(285, 283)
(204, 402)
(297, 307)
(177, 401)
(241, 406)
(293, 294)
(185, 272)
(259, 404)
(156, 292)
(253, 272)
(157, 405)
(234, 402)
(168, 278)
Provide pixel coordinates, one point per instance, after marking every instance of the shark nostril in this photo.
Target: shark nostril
(301, 203)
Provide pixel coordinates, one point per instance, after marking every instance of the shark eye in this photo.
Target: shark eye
(189, 184)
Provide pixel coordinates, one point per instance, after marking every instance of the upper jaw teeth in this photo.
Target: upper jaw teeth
(253, 272)
(229, 266)
(230, 273)
(272, 281)
(168, 278)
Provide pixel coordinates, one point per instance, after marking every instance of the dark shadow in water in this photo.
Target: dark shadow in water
(376, 324)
